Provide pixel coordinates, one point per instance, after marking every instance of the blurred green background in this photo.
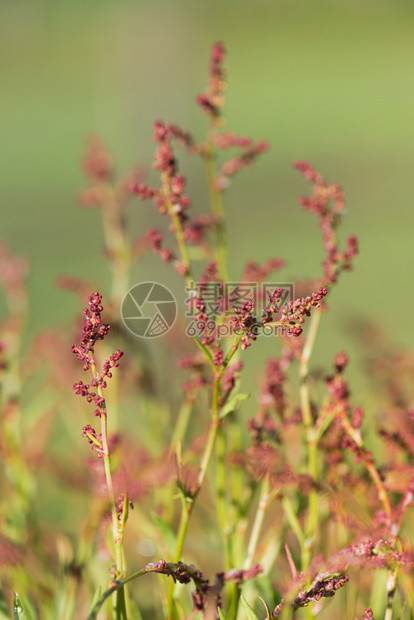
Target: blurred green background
(329, 81)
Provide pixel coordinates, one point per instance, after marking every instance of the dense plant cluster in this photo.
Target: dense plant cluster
(257, 511)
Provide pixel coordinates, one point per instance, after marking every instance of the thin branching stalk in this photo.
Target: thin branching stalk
(117, 244)
(391, 587)
(117, 527)
(311, 436)
(355, 435)
(216, 202)
(222, 503)
(189, 503)
(178, 229)
(181, 424)
(266, 496)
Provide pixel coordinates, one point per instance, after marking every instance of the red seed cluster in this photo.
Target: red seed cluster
(244, 160)
(324, 588)
(327, 202)
(212, 101)
(98, 165)
(97, 162)
(244, 321)
(295, 312)
(253, 272)
(155, 238)
(218, 357)
(171, 194)
(92, 330)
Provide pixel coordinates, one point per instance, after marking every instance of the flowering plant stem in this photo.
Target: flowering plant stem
(355, 435)
(216, 202)
(266, 496)
(117, 245)
(189, 502)
(222, 504)
(178, 229)
(311, 438)
(119, 600)
(181, 425)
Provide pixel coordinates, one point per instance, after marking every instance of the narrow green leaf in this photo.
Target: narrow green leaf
(232, 404)
(29, 609)
(324, 426)
(97, 596)
(266, 606)
(4, 607)
(248, 610)
(204, 350)
(220, 613)
(167, 532)
(18, 609)
(136, 614)
(293, 520)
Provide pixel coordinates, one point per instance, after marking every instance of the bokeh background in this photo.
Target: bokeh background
(330, 81)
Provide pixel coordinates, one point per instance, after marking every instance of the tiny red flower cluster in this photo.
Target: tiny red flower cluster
(253, 272)
(240, 575)
(155, 238)
(293, 315)
(380, 553)
(243, 320)
(165, 161)
(324, 588)
(327, 202)
(250, 150)
(212, 101)
(92, 331)
(99, 167)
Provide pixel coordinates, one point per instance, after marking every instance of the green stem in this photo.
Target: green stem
(117, 245)
(187, 505)
(178, 229)
(186, 510)
(93, 614)
(311, 439)
(391, 587)
(266, 496)
(293, 521)
(212, 434)
(182, 422)
(216, 201)
(355, 435)
(170, 569)
(304, 367)
(222, 505)
(231, 353)
(117, 529)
